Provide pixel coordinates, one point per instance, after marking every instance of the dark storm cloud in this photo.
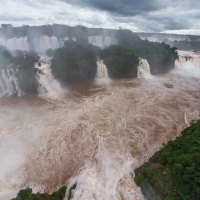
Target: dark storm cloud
(124, 7)
(177, 16)
(148, 15)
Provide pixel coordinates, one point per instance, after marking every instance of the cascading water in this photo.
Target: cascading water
(20, 43)
(42, 43)
(49, 42)
(101, 41)
(8, 82)
(48, 85)
(102, 76)
(144, 69)
(39, 44)
(188, 64)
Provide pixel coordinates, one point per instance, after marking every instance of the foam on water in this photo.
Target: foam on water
(95, 141)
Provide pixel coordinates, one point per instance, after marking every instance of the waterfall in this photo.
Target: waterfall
(188, 64)
(102, 76)
(143, 69)
(49, 42)
(48, 86)
(187, 56)
(45, 42)
(8, 82)
(101, 41)
(40, 44)
(96, 41)
(15, 43)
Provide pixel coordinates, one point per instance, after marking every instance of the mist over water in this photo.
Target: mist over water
(95, 141)
(188, 64)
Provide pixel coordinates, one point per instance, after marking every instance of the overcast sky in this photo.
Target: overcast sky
(171, 16)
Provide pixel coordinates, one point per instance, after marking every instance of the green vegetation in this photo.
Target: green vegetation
(121, 63)
(74, 63)
(27, 194)
(174, 172)
(22, 65)
(77, 62)
(25, 74)
(160, 56)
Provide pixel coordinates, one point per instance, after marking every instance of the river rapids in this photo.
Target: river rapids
(95, 140)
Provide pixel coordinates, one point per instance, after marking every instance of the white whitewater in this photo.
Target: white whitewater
(144, 69)
(102, 77)
(48, 86)
(188, 64)
(8, 82)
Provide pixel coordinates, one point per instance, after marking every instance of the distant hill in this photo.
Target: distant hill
(183, 42)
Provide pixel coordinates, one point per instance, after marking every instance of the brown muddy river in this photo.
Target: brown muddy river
(93, 136)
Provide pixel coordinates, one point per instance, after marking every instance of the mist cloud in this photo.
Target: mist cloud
(123, 7)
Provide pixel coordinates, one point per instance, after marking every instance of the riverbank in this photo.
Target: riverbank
(173, 173)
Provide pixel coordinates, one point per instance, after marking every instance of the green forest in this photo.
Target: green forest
(27, 194)
(120, 62)
(160, 56)
(74, 63)
(173, 173)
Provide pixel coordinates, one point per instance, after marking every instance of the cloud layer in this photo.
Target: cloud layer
(180, 16)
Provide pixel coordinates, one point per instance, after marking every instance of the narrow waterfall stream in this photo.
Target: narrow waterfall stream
(144, 69)
(48, 85)
(102, 76)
